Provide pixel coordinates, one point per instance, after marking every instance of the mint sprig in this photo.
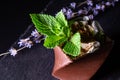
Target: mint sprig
(57, 32)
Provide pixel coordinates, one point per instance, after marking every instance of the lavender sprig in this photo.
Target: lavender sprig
(89, 8)
(28, 42)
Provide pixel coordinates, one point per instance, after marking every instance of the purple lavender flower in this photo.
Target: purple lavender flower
(80, 12)
(107, 3)
(64, 10)
(25, 42)
(113, 3)
(102, 7)
(95, 12)
(69, 13)
(37, 39)
(91, 17)
(28, 44)
(13, 51)
(98, 6)
(73, 5)
(89, 3)
(35, 33)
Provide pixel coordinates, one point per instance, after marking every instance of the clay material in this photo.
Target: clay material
(82, 69)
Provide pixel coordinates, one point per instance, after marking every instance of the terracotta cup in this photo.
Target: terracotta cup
(82, 69)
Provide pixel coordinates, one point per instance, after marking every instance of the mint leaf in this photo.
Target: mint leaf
(61, 19)
(72, 47)
(66, 31)
(46, 24)
(76, 39)
(63, 22)
(52, 41)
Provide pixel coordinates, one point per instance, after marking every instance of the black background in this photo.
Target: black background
(14, 20)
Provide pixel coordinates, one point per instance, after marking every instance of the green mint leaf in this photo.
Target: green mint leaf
(72, 47)
(64, 23)
(46, 24)
(76, 39)
(61, 19)
(66, 31)
(52, 41)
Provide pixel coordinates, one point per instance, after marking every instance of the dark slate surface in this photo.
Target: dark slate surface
(37, 63)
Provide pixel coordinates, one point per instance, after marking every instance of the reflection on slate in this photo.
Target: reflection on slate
(37, 63)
